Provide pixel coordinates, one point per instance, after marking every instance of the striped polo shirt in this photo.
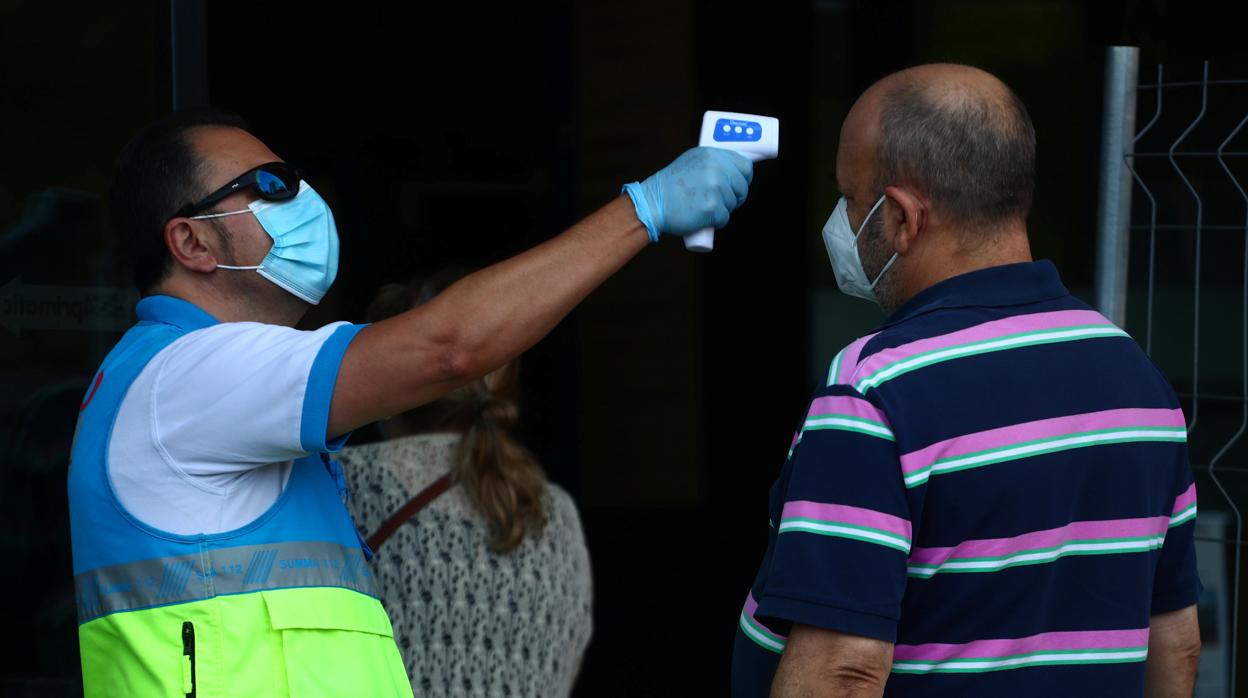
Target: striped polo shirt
(997, 482)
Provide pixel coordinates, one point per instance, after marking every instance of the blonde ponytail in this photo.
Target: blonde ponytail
(499, 475)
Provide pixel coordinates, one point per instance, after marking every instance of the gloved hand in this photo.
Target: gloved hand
(697, 190)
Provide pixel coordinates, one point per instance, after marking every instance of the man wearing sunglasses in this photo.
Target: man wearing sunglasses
(213, 555)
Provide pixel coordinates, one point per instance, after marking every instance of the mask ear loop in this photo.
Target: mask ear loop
(883, 271)
(859, 234)
(863, 226)
(223, 215)
(220, 215)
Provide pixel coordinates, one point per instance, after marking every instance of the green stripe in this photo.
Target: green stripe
(1129, 539)
(1056, 449)
(795, 443)
(1173, 431)
(754, 633)
(1053, 662)
(894, 541)
(845, 427)
(1036, 653)
(835, 369)
(929, 571)
(973, 348)
(850, 417)
(1183, 516)
(805, 519)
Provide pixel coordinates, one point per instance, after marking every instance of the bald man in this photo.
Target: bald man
(991, 494)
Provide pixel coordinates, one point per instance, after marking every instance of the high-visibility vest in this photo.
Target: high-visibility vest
(284, 606)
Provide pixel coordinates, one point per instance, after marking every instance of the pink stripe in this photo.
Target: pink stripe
(797, 435)
(850, 406)
(1040, 429)
(1053, 537)
(988, 330)
(849, 359)
(839, 513)
(1186, 499)
(751, 606)
(991, 649)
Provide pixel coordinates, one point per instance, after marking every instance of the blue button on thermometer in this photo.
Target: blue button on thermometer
(755, 137)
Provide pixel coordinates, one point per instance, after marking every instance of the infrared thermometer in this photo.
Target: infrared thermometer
(755, 137)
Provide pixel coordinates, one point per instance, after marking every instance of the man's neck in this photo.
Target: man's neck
(228, 304)
(952, 259)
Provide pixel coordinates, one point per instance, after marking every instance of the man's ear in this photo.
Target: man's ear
(907, 218)
(191, 244)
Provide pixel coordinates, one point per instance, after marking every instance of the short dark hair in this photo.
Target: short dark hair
(157, 173)
(972, 151)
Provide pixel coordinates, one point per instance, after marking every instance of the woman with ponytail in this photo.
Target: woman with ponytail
(481, 563)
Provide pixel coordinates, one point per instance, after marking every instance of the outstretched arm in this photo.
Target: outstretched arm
(492, 316)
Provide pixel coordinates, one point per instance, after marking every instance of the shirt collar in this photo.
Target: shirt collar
(174, 311)
(1004, 285)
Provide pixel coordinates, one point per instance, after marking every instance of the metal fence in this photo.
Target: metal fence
(1172, 268)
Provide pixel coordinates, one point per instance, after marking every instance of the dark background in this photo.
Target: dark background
(462, 133)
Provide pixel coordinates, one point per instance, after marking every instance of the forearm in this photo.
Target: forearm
(482, 321)
(497, 313)
(847, 682)
(1173, 654)
(492, 316)
(827, 664)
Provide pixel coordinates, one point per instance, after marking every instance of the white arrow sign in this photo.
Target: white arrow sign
(74, 308)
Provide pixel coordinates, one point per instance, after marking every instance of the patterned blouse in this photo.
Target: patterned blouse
(468, 621)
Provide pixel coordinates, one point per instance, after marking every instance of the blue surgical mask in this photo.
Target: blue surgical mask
(304, 257)
(842, 244)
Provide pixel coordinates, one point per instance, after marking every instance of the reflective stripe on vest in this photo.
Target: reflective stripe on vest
(149, 583)
(284, 606)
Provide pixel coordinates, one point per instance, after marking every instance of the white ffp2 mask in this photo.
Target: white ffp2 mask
(842, 244)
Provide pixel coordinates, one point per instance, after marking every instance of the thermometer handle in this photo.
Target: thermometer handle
(701, 241)
(755, 137)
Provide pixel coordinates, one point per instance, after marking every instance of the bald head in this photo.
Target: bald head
(956, 135)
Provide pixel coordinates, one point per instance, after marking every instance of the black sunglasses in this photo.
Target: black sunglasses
(274, 181)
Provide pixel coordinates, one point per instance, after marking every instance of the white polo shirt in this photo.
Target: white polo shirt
(205, 437)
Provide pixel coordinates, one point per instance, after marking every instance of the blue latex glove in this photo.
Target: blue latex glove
(697, 190)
